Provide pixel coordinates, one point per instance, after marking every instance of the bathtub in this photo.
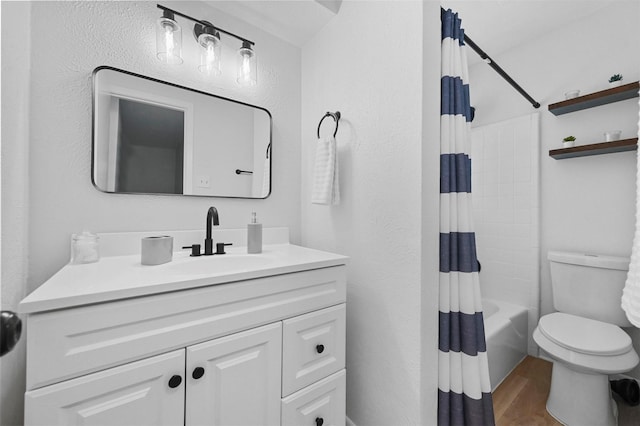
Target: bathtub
(505, 326)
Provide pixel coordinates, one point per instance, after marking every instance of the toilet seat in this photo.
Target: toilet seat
(583, 335)
(590, 363)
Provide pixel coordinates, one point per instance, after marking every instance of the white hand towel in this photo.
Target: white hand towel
(325, 177)
(266, 177)
(631, 292)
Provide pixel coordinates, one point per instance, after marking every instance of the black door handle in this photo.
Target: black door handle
(319, 421)
(319, 348)
(10, 331)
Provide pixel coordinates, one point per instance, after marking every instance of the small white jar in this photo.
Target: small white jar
(612, 135)
(572, 94)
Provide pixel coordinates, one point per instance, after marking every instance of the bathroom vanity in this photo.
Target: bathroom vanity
(217, 340)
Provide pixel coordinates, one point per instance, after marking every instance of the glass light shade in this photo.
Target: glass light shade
(210, 54)
(247, 66)
(168, 41)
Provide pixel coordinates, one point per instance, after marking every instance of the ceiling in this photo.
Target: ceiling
(500, 25)
(495, 25)
(295, 21)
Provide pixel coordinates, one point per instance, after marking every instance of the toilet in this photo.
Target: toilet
(583, 338)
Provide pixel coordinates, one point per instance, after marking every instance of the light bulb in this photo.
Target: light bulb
(168, 40)
(211, 54)
(245, 68)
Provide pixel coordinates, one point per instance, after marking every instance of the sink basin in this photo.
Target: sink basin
(218, 264)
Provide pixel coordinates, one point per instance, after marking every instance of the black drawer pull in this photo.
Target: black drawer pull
(197, 373)
(319, 421)
(175, 381)
(320, 349)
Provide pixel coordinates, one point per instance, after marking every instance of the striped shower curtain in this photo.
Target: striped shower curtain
(464, 390)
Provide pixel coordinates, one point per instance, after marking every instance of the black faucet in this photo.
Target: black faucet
(212, 219)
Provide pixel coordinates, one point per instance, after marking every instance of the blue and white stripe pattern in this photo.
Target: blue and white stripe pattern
(464, 389)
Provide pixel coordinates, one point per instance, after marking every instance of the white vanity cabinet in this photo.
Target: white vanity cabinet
(231, 380)
(268, 350)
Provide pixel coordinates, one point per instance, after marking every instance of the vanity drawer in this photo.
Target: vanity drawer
(313, 347)
(71, 342)
(323, 403)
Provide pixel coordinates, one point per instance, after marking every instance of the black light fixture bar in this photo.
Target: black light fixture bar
(500, 71)
(205, 24)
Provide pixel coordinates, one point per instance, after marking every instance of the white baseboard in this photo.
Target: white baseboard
(349, 422)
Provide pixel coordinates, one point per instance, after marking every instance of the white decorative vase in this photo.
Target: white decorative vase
(615, 83)
(568, 144)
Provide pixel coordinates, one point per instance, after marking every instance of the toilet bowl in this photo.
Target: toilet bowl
(584, 339)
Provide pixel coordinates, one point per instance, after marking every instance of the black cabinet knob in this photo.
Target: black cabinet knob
(319, 421)
(197, 373)
(320, 348)
(175, 381)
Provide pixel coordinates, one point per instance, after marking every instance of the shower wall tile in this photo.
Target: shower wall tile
(506, 169)
(506, 189)
(489, 190)
(505, 184)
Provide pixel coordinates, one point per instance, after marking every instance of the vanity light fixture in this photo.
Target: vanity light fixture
(169, 46)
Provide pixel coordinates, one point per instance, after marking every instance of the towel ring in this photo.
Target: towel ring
(336, 118)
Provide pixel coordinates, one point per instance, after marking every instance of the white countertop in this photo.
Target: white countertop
(122, 277)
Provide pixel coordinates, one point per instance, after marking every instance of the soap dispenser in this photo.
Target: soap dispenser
(254, 235)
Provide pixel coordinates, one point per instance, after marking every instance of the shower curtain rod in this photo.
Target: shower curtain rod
(500, 71)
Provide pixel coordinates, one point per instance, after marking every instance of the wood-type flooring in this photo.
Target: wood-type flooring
(521, 398)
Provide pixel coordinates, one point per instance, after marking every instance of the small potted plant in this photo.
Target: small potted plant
(615, 80)
(568, 142)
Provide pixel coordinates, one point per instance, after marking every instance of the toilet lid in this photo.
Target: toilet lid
(584, 335)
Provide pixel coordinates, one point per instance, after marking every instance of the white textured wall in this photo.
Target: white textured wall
(80, 36)
(430, 213)
(367, 63)
(15, 197)
(587, 204)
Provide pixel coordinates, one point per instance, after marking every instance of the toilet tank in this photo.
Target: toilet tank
(589, 285)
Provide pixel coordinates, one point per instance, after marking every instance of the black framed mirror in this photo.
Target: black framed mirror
(155, 137)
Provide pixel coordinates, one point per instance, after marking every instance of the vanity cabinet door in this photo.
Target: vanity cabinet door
(147, 392)
(235, 380)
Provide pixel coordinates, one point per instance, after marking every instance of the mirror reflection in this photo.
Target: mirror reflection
(154, 137)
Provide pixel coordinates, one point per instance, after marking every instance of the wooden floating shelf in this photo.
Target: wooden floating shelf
(595, 149)
(615, 94)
